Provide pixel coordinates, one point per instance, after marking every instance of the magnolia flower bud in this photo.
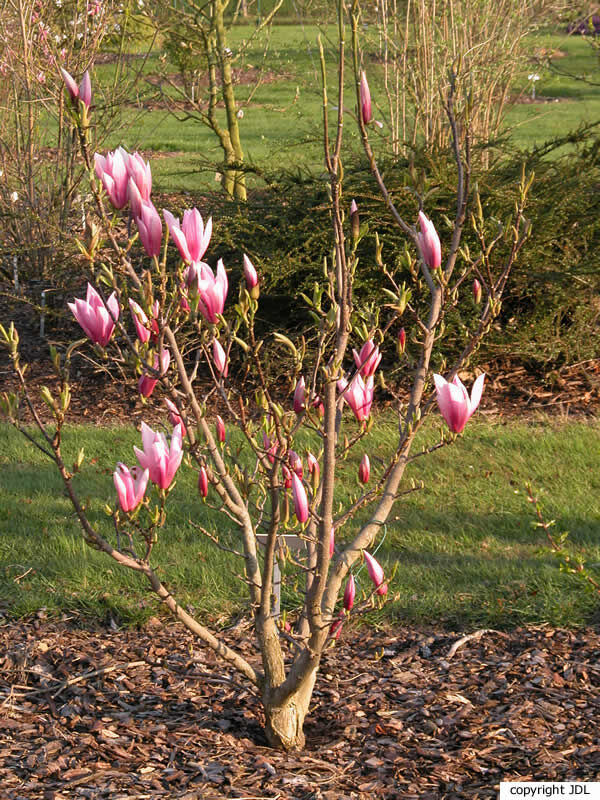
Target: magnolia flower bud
(299, 396)
(349, 593)
(174, 415)
(401, 341)
(365, 99)
(296, 463)
(375, 571)
(364, 471)
(270, 449)
(313, 464)
(287, 476)
(354, 220)
(203, 482)
(220, 358)
(336, 627)
(476, 291)
(429, 242)
(220, 426)
(251, 278)
(85, 89)
(300, 499)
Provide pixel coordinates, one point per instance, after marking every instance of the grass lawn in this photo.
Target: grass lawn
(571, 86)
(467, 553)
(281, 126)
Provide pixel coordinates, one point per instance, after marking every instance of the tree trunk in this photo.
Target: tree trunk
(285, 721)
(234, 181)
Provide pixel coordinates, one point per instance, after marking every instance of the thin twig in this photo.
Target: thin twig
(475, 636)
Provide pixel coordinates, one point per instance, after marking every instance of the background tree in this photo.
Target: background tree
(196, 39)
(41, 197)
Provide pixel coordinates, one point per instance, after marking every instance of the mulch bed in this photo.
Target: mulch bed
(124, 714)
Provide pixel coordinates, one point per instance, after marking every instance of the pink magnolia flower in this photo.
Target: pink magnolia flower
(82, 92)
(212, 291)
(359, 395)
(299, 396)
(203, 482)
(96, 319)
(150, 228)
(455, 405)
(220, 358)
(429, 242)
(174, 415)
(130, 486)
(250, 273)
(364, 471)
(161, 460)
(139, 184)
(147, 382)
(300, 499)
(135, 199)
(376, 574)
(192, 236)
(112, 171)
(349, 593)
(368, 359)
(220, 426)
(365, 99)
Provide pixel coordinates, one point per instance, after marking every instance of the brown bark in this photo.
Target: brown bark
(284, 722)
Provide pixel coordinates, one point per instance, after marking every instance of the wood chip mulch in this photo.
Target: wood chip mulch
(96, 713)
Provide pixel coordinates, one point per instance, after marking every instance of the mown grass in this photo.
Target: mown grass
(281, 127)
(570, 83)
(465, 547)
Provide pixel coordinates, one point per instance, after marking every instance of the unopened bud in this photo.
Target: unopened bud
(476, 291)
(203, 482)
(354, 221)
(401, 341)
(251, 278)
(349, 593)
(364, 470)
(365, 99)
(220, 426)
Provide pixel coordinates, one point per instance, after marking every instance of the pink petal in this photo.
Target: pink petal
(476, 393)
